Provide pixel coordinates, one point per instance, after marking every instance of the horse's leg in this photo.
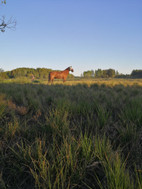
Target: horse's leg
(64, 79)
(50, 81)
(49, 78)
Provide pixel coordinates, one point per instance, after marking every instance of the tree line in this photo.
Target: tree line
(42, 73)
(111, 73)
(100, 73)
(39, 73)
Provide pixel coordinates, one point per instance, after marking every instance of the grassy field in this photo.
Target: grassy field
(83, 134)
(76, 81)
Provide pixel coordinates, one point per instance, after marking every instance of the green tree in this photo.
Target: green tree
(136, 73)
(89, 73)
(98, 73)
(111, 73)
(104, 73)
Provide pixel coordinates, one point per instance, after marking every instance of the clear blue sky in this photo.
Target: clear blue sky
(84, 34)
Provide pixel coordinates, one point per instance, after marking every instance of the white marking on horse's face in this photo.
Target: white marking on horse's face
(71, 69)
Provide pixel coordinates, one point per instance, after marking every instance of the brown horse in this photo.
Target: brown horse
(60, 74)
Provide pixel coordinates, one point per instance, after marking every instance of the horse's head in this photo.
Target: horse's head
(71, 69)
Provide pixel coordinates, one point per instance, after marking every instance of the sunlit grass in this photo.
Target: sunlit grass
(109, 82)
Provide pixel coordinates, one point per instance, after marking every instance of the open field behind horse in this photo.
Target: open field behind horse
(78, 134)
(76, 81)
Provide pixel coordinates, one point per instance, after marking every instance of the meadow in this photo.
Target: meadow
(81, 134)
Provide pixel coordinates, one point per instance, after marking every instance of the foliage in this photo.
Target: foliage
(89, 73)
(105, 73)
(136, 73)
(100, 73)
(111, 73)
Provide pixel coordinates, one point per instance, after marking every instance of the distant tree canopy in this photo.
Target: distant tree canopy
(136, 73)
(111, 73)
(89, 73)
(42, 73)
(100, 73)
(39, 73)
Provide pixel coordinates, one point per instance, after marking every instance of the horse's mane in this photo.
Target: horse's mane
(69, 68)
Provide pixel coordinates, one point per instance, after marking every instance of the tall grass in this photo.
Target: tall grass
(70, 136)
